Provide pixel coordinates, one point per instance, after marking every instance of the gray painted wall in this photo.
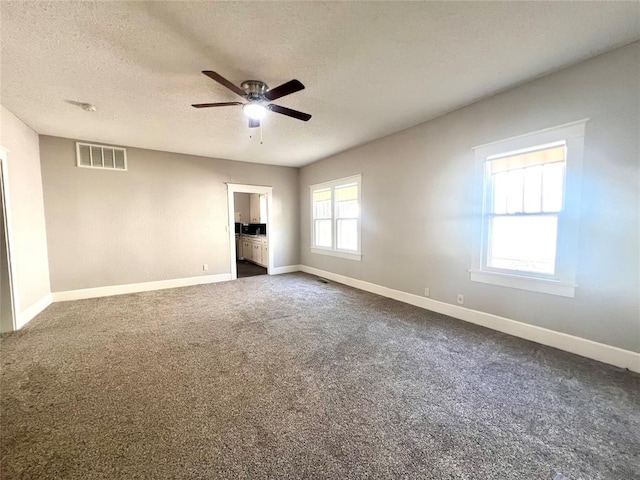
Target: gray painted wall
(162, 219)
(29, 247)
(417, 201)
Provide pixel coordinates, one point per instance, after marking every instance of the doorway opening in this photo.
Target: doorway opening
(250, 230)
(246, 268)
(7, 293)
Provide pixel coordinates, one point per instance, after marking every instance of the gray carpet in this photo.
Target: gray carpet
(287, 377)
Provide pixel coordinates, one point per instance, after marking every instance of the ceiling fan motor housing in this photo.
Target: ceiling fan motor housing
(254, 89)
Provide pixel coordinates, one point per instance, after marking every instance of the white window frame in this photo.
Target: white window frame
(101, 147)
(563, 281)
(333, 250)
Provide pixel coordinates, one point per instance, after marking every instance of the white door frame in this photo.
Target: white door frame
(263, 190)
(4, 178)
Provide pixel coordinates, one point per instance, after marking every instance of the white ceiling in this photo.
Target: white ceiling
(370, 69)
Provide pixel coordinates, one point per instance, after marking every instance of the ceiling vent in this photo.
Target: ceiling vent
(89, 155)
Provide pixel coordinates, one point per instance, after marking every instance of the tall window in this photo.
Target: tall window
(335, 209)
(524, 197)
(526, 235)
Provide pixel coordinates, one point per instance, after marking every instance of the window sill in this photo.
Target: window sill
(334, 253)
(541, 285)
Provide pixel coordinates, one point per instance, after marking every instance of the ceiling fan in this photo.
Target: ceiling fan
(258, 96)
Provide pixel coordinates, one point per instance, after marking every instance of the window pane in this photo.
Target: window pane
(533, 157)
(347, 237)
(347, 193)
(500, 189)
(532, 189)
(96, 156)
(322, 233)
(85, 158)
(528, 182)
(119, 159)
(321, 195)
(108, 158)
(322, 204)
(322, 209)
(348, 209)
(524, 243)
(515, 191)
(553, 186)
(347, 202)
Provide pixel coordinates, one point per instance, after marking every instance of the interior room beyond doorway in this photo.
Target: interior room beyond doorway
(250, 212)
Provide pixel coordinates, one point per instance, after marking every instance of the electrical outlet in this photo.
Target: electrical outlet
(427, 292)
(460, 299)
(205, 266)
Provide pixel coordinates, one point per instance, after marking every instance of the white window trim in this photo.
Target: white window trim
(336, 252)
(563, 283)
(102, 147)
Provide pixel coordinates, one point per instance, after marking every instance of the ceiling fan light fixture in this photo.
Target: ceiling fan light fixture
(258, 96)
(254, 111)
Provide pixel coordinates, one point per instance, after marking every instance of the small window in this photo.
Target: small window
(526, 235)
(100, 156)
(335, 214)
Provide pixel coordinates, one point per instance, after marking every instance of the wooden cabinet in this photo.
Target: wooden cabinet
(264, 252)
(256, 254)
(258, 208)
(254, 208)
(255, 249)
(246, 248)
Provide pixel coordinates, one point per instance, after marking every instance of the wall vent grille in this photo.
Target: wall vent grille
(106, 157)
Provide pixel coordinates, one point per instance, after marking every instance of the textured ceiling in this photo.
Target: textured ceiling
(370, 69)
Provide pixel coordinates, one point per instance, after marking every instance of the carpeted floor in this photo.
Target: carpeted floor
(287, 377)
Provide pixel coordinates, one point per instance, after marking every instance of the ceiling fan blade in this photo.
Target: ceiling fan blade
(219, 104)
(288, 88)
(289, 112)
(254, 123)
(223, 81)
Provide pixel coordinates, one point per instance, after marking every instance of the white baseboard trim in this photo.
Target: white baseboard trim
(286, 269)
(28, 314)
(137, 287)
(580, 346)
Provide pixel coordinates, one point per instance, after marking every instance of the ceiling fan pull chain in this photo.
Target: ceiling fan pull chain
(260, 133)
